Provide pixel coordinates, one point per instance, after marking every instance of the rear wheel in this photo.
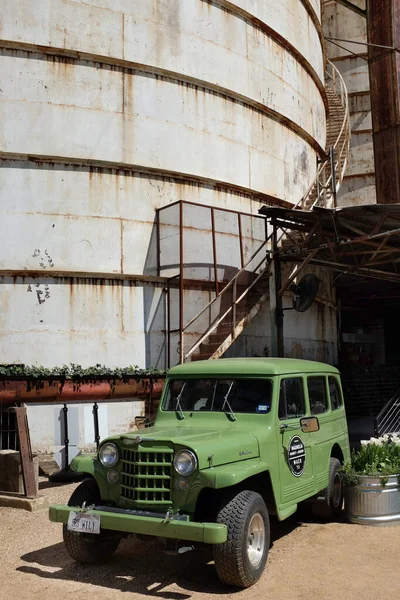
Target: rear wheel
(85, 547)
(241, 560)
(331, 507)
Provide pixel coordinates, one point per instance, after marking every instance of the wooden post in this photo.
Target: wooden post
(25, 450)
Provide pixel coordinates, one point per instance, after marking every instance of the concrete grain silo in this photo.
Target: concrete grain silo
(111, 110)
(351, 58)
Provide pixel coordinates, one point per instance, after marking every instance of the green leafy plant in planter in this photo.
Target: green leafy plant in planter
(379, 457)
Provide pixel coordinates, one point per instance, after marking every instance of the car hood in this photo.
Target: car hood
(223, 445)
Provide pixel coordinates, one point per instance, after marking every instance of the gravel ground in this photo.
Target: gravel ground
(308, 560)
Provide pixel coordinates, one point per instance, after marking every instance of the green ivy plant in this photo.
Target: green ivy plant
(76, 372)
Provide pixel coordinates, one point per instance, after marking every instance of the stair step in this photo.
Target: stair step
(208, 349)
(255, 299)
(224, 329)
(215, 339)
(47, 465)
(196, 357)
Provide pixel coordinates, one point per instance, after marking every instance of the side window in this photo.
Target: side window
(335, 393)
(317, 395)
(291, 398)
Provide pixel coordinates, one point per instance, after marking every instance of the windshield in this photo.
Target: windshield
(215, 395)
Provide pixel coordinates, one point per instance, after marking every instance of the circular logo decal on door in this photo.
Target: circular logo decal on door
(296, 456)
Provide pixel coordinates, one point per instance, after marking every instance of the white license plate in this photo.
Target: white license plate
(83, 523)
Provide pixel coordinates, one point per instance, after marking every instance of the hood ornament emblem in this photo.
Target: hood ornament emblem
(128, 441)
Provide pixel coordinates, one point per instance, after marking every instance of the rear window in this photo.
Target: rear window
(215, 395)
(335, 393)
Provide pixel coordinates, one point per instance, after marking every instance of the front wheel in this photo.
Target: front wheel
(241, 560)
(89, 548)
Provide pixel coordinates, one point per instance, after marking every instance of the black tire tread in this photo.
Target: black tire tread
(334, 466)
(88, 491)
(324, 509)
(81, 550)
(228, 556)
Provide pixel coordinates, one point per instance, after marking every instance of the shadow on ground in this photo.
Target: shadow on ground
(45, 485)
(144, 568)
(136, 568)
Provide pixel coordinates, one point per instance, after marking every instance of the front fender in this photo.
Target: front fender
(84, 463)
(223, 476)
(231, 474)
(89, 463)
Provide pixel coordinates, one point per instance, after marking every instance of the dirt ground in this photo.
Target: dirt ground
(307, 560)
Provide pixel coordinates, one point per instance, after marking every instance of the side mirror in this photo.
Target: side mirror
(309, 424)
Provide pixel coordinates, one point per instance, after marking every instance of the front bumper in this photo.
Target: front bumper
(124, 520)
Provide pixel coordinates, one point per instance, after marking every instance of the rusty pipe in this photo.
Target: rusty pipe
(57, 391)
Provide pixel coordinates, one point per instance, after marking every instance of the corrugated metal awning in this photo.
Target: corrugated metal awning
(361, 241)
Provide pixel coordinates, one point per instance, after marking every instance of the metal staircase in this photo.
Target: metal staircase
(332, 167)
(242, 301)
(242, 298)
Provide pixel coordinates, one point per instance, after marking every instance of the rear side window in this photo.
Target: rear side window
(335, 393)
(291, 398)
(317, 395)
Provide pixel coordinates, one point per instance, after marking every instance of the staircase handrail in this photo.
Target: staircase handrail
(344, 96)
(236, 276)
(389, 411)
(216, 323)
(335, 77)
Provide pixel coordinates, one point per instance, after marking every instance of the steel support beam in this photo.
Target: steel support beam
(275, 300)
(383, 26)
(353, 7)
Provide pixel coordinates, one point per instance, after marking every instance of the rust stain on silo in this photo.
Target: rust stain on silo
(95, 133)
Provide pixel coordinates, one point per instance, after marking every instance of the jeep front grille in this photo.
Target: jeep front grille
(146, 475)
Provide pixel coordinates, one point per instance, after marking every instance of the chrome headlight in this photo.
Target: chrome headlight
(108, 455)
(185, 462)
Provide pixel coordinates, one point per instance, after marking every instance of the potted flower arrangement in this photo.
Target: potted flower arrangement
(372, 485)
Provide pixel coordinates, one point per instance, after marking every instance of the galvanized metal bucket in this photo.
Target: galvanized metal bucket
(371, 503)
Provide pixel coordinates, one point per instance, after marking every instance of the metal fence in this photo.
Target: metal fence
(9, 439)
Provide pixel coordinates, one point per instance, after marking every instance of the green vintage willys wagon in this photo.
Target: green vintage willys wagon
(234, 441)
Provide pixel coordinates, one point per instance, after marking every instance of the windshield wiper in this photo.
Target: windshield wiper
(226, 402)
(178, 401)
